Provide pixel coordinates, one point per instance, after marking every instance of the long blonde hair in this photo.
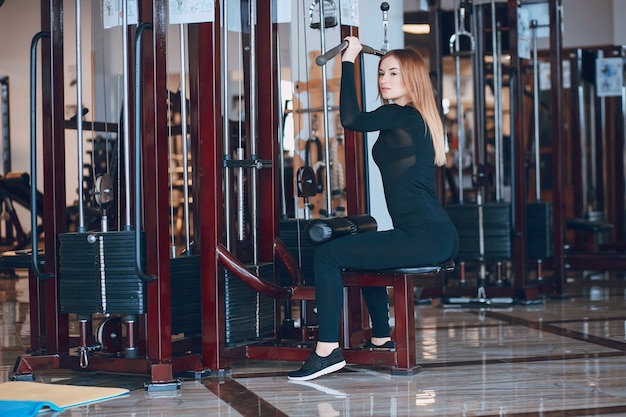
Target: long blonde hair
(416, 79)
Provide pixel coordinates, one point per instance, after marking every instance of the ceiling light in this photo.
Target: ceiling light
(416, 28)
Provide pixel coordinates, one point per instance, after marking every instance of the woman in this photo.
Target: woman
(409, 147)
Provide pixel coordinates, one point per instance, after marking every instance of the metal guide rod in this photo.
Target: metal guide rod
(533, 25)
(79, 117)
(598, 174)
(512, 110)
(170, 151)
(481, 232)
(583, 130)
(623, 102)
(6, 129)
(593, 138)
(459, 125)
(225, 122)
(254, 175)
(280, 134)
(241, 200)
(127, 224)
(183, 106)
(329, 205)
(497, 102)
(338, 176)
(500, 112)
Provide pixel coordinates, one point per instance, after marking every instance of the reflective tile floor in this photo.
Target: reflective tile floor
(563, 357)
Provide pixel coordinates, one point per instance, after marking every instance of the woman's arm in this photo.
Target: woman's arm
(384, 117)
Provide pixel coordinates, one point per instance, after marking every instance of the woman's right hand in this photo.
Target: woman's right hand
(353, 49)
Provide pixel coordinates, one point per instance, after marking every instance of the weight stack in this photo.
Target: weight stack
(293, 235)
(539, 230)
(249, 314)
(97, 274)
(185, 287)
(496, 230)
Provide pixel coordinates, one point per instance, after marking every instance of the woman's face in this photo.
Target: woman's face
(390, 81)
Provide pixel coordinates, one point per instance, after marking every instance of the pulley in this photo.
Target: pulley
(103, 190)
(109, 335)
(330, 14)
(306, 182)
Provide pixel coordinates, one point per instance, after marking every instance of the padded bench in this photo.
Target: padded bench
(592, 231)
(355, 327)
(19, 259)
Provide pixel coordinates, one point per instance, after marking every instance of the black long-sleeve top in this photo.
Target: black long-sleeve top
(403, 152)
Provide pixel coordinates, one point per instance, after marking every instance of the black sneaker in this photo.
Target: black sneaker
(317, 366)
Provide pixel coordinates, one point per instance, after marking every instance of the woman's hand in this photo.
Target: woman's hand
(353, 49)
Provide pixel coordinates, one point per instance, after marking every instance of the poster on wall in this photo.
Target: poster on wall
(349, 10)
(282, 11)
(523, 33)
(191, 11)
(609, 77)
(113, 13)
(545, 82)
(234, 13)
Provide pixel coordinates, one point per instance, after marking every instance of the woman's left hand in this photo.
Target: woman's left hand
(353, 49)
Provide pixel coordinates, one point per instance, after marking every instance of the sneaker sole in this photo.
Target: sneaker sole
(379, 349)
(329, 369)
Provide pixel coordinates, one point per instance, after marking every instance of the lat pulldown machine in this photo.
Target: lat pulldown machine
(484, 227)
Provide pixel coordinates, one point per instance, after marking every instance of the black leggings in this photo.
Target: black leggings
(424, 245)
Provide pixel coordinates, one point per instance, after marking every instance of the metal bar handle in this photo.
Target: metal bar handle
(34, 236)
(330, 54)
(138, 267)
(454, 41)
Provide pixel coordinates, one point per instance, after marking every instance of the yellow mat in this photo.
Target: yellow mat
(63, 396)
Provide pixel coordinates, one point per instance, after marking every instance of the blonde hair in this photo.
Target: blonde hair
(416, 79)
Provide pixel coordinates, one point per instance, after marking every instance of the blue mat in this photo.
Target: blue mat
(22, 398)
(26, 408)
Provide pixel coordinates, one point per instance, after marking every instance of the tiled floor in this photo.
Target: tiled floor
(563, 357)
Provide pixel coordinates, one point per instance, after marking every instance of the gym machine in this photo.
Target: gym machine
(101, 273)
(135, 279)
(581, 151)
(595, 221)
(537, 240)
(480, 211)
(539, 227)
(227, 256)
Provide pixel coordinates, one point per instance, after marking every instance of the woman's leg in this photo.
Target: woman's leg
(377, 300)
(368, 251)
